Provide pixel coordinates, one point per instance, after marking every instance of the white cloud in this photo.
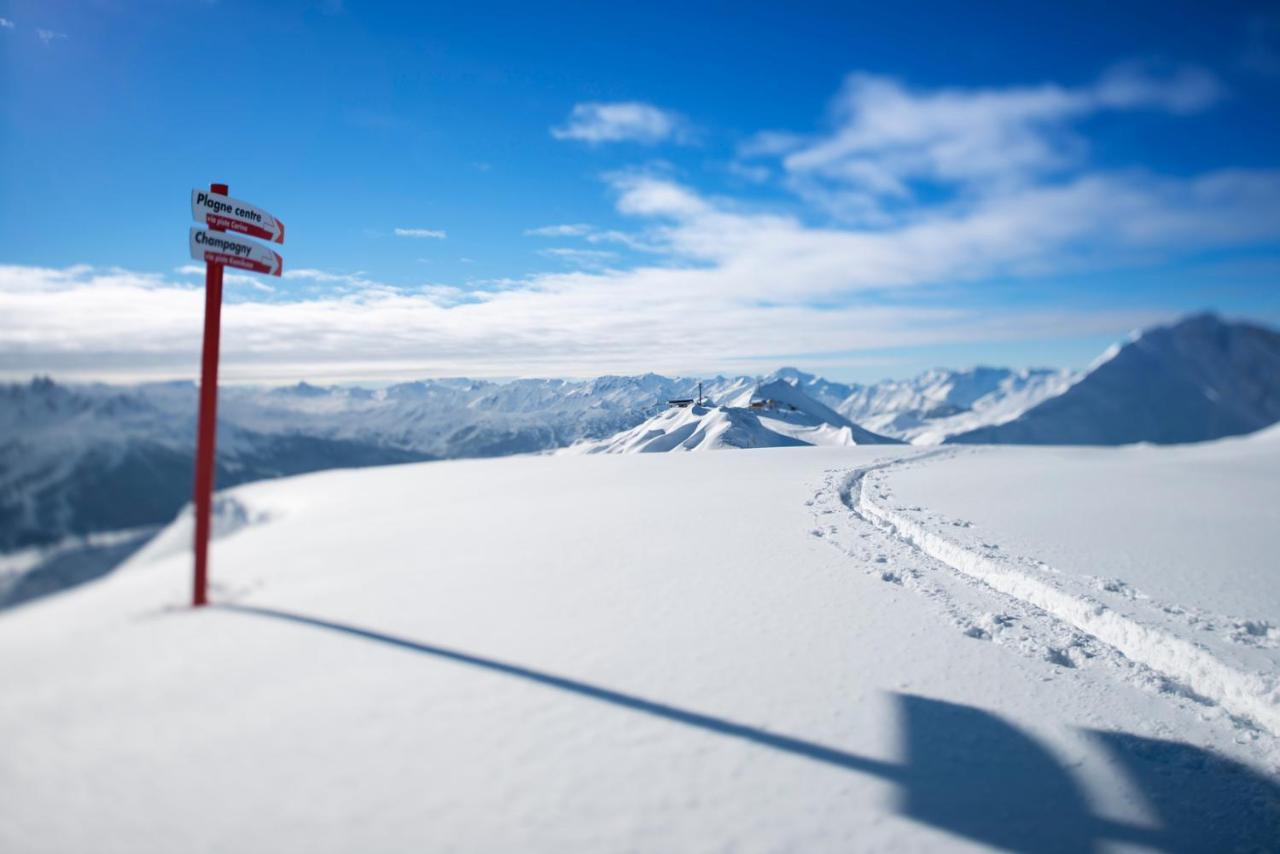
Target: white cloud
(585, 258)
(593, 235)
(889, 142)
(6, 24)
(570, 230)
(627, 121)
(736, 289)
(729, 284)
(357, 278)
(1131, 86)
(770, 143)
(632, 241)
(420, 232)
(115, 325)
(47, 37)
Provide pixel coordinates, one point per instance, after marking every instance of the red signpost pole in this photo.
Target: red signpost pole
(208, 417)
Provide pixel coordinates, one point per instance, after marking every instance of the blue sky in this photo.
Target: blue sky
(566, 189)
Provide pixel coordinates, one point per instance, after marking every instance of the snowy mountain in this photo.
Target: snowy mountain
(822, 390)
(96, 458)
(786, 417)
(926, 409)
(78, 459)
(1198, 379)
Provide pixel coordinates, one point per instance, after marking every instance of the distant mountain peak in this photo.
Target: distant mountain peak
(790, 418)
(1198, 378)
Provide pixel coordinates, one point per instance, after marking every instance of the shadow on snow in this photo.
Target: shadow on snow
(969, 773)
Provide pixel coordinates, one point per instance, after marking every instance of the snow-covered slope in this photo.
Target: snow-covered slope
(820, 389)
(793, 418)
(635, 652)
(1167, 555)
(80, 459)
(1200, 378)
(926, 409)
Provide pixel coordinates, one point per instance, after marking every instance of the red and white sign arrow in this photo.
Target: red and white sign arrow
(230, 214)
(219, 247)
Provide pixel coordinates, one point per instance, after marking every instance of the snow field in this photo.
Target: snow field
(1254, 696)
(611, 653)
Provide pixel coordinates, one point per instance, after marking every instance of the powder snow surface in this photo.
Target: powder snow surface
(682, 652)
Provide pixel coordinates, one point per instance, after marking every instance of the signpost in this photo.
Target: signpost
(217, 249)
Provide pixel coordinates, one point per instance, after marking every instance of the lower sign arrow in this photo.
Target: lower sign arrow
(219, 247)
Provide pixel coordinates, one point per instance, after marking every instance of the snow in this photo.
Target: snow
(84, 459)
(1268, 434)
(791, 418)
(1168, 556)
(1198, 379)
(939, 403)
(632, 652)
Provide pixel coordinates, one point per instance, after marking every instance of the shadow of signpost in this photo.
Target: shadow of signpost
(1204, 801)
(969, 773)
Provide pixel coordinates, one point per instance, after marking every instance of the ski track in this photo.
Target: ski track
(1034, 613)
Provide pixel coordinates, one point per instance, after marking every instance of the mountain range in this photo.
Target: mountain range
(84, 458)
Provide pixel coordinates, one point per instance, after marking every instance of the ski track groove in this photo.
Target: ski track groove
(1082, 629)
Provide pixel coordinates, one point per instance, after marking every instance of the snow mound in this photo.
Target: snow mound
(230, 514)
(1269, 434)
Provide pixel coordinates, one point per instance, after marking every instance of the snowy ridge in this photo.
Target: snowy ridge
(941, 402)
(1250, 695)
(793, 419)
(1198, 379)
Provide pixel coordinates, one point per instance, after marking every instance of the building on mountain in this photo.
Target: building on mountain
(770, 403)
(686, 402)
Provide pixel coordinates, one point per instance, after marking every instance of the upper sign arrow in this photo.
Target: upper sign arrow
(224, 212)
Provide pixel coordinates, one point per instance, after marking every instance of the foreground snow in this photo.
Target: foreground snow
(1168, 556)
(672, 652)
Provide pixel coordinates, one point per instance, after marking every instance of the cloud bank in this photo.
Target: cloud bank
(902, 210)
